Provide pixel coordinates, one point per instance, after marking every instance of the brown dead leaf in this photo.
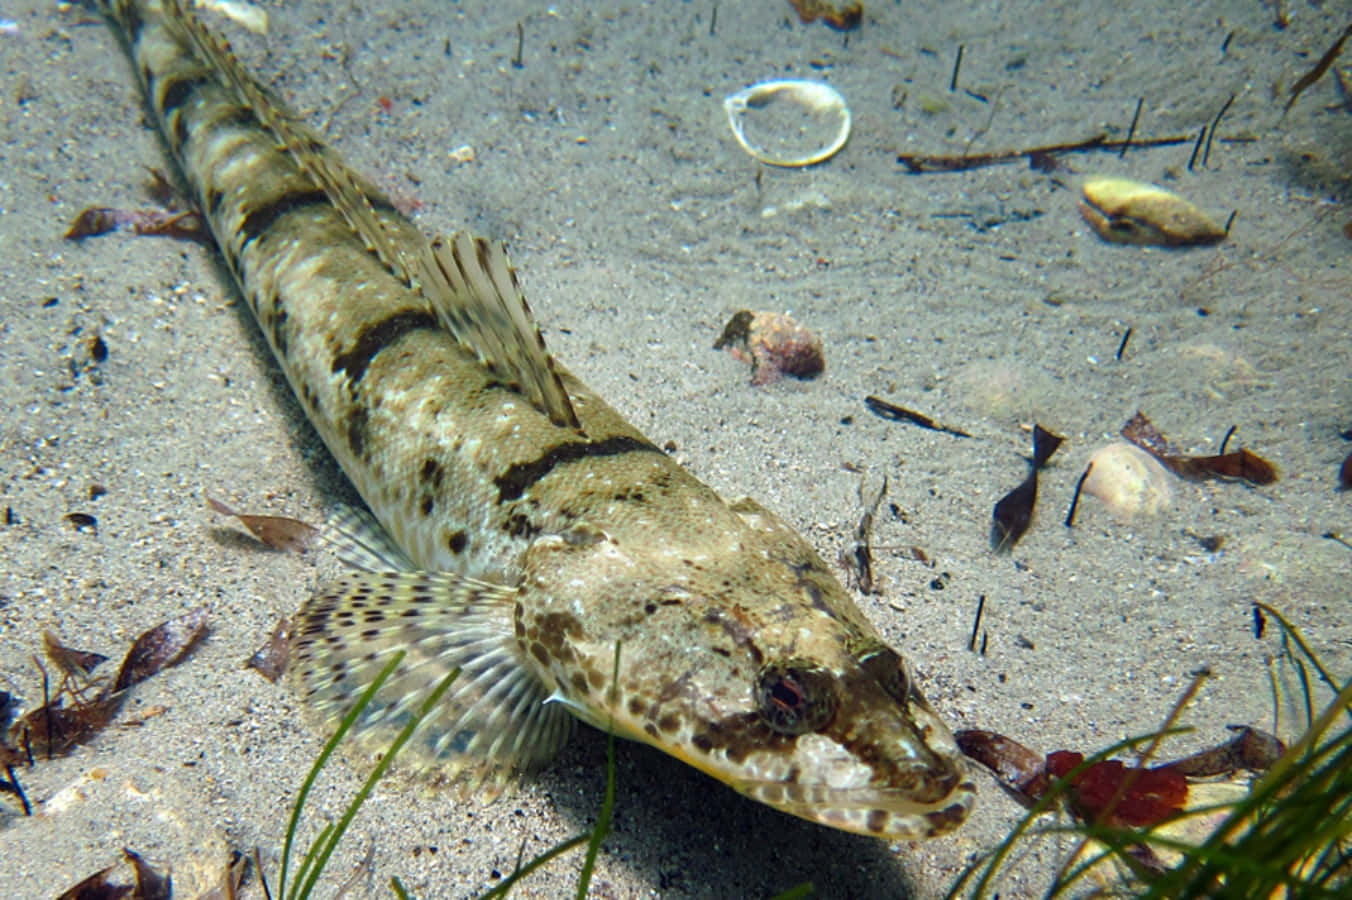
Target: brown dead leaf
(162, 646)
(277, 532)
(272, 657)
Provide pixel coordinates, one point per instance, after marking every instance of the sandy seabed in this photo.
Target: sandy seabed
(639, 227)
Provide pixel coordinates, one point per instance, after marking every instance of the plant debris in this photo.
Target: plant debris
(165, 645)
(858, 560)
(1014, 512)
(55, 728)
(1320, 69)
(1108, 791)
(175, 218)
(148, 884)
(836, 16)
(270, 660)
(884, 410)
(69, 661)
(1042, 158)
(275, 532)
(774, 345)
(1242, 464)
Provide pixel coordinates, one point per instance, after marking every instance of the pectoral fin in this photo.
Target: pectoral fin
(493, 720)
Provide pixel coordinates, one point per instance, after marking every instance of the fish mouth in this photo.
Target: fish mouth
(881, 812)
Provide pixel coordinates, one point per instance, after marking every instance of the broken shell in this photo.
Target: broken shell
(782, 123)
(774, 344)
(1129, 481)
(1132, 212)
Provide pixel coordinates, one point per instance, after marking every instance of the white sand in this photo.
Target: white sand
(635, 221)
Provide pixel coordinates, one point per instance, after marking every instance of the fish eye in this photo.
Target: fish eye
(796, 697)
(885, 665)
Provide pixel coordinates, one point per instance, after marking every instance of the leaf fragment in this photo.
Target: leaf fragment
(69, 661)
(270, 660)
(167, 644)
(1242, 464)
(275, 532)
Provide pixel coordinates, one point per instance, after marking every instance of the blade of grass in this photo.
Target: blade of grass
(320, 761)
(520, 873)
(325, 850)
(608, 804)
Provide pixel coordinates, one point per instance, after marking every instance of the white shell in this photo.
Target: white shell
(1129, 481)
(789, 122)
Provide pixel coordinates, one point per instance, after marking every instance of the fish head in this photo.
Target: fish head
(791, 699)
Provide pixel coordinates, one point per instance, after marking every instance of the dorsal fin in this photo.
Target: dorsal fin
(473, 288)
(469, 282)
(337, 181)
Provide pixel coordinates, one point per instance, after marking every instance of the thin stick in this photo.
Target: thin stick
(1075, 501)
(976, 623)
(1131, 132)
(1122, 347)
(517, 61)
(1215, 123)
(1196, 147)
(957, 64)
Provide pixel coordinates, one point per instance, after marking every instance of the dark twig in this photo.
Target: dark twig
(1122, 347)
(1040, 157)
(885, 410)
(518, 62)
(13, 786)
(1131, 132)
(957, 64)
(1197, 147)
(1075, 501)
(976, 623)
(1215, 123)
(1324, 64)
(1225, 441)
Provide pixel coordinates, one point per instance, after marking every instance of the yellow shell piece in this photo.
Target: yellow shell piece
(789, 122)
(1133, 212)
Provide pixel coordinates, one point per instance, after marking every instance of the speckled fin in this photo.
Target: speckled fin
(358, 540)
(474, 290)
(493, 720)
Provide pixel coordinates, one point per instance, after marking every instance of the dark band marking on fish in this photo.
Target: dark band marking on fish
(527, 530)
(379, 335)
(258, 220)
(178, 89)
(517, 480)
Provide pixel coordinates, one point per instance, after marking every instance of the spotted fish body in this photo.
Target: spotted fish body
(528, 535)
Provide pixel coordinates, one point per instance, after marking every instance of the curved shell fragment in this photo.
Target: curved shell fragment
(1133, 212)
(789, 122)
(1129, 481)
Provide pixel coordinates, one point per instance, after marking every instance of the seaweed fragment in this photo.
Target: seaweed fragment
(1320, 69)
(70, 662)
(858, 559)
(1014, 511)
(1041, 158)
(836, 16)
(270, 660)
(175, 217)
(100, 220)
(274, 532)
(165, 645)
(147, 884)
(54, 728)
(884, 410)
(1242, 464)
